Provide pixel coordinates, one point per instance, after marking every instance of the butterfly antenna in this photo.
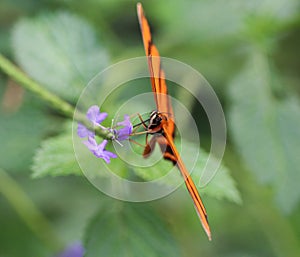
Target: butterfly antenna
(139, 124)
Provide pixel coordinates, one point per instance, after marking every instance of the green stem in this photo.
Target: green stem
(16, 74)
(56, 102)
(28, 212)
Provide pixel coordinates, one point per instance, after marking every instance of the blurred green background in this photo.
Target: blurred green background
(247, 50)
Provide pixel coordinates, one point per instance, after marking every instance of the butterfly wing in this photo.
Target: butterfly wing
(157, 75)
(199, 206)
(163, 103)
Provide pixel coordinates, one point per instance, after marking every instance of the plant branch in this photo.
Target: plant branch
(16, 74)
(55, 102)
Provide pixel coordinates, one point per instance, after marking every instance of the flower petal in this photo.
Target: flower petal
(126, 122)
(94, 114)
(101, 117)
(106, 155)
(124, 133)
(102, 145)
(82, 131)
(99, 150)
(91, 144)
(110, 154)
(73, 250)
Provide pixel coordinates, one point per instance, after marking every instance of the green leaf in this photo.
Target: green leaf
(127, 229)
(56, 157)
(60, 51)
(265, 130)
(288, 122)
(222, 185)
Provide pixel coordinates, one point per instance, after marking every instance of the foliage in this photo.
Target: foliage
(62, 50)
(19, 138)
(133, 229)
(56, 157)
(249, 53)
(276, 120)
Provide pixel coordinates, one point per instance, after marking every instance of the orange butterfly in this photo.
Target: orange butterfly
(161, 123)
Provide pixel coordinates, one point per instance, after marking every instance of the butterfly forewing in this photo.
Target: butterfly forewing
(190, 186)
(164, 109)
(157, 75)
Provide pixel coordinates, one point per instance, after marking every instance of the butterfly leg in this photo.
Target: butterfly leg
(141, 123)
(135, 142)
(136, 126)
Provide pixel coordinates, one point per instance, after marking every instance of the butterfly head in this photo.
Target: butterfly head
(155, 121)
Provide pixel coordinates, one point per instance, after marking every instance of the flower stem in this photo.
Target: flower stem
(16, 74)
(56, 102)
(28, 212)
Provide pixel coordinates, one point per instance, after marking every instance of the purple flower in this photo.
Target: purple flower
(73, 250)
(83, 132)
(99, 150)
(96, 117)
(124, 133)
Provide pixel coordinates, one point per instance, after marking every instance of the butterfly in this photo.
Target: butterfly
(161, 122)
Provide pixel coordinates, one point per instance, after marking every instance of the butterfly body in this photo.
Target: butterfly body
(161, 122)
(157, 122)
